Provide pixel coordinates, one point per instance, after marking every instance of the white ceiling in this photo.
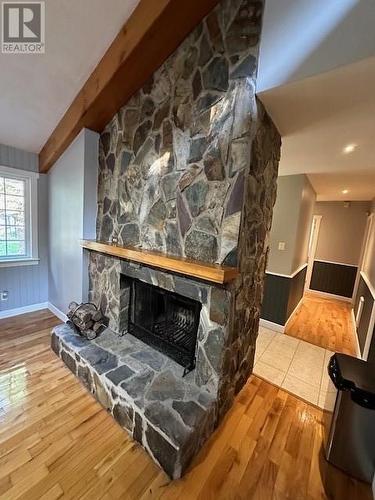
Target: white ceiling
(36, 90)
(320, 91)
(318, 116)
(302, 38)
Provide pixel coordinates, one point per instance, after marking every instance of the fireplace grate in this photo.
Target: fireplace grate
(166, 321)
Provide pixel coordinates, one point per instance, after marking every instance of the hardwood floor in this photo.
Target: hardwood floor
(324, 322)
(57, 442)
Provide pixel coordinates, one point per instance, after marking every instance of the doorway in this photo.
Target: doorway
(313, 242)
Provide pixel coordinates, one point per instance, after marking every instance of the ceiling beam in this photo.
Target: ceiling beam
(151, 34)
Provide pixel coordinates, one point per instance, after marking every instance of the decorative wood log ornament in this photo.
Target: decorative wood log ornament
(86, 318)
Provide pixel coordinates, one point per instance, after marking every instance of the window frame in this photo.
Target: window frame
(31, 217)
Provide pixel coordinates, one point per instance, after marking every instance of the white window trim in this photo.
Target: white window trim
(31, 213)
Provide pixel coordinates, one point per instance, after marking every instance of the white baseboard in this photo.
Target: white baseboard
(57, 312)
(326, 295)
(271, 326)
(23, 310)
(357, 348)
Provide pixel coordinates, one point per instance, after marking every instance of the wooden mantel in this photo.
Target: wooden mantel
(214, 273)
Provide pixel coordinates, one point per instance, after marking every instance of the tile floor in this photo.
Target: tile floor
(296, 366)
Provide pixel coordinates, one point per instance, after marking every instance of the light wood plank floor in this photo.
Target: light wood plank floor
(57, 442)
(324, 322)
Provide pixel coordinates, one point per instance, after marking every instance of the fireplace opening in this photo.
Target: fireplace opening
(166, 321)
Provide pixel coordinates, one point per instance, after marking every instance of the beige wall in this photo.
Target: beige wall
(306, 214)
(369, 264)
(341, 231)
(291, 224)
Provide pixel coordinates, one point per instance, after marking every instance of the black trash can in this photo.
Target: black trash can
(351, 440)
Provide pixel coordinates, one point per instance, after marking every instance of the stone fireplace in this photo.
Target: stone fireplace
(187, 168)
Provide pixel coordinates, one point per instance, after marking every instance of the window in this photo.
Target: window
(18, 217)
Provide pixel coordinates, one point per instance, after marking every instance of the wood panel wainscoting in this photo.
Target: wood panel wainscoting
(58, 442)
(192, 268)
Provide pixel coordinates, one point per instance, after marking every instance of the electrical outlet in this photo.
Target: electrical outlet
(4, 295)
(281, 245)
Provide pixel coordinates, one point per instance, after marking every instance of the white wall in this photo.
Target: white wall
(341, 231)
(326, 34)
(72, 214)
(291, 224)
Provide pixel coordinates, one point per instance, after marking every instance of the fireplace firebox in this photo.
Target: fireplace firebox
(166, 321)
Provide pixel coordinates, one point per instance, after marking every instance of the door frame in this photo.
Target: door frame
(364, 251)
(313, 243)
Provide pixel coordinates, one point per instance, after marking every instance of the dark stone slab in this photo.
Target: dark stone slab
(216, 75)
(183, 215)
(137, 385)
(160, 115)
(190, 412)
(197, 84)
(169, 184)
(188, 176)
(157, 215)
(219, 306)
(246, 68)
(187, 289)
(164, 418)
(55, 343)
(85, 376)
(69, 361)
(236, 196)
(165, 386)
(172, 239)
(196, 197)
(101, 360)
(130, 234)
(150, 357)
(105, 139)
(163, 451)
(138, 426)
(201, 246)
(124, 414)
(106, 228)
(76, 341)
(207, 101)
(125, 161)
(141, 135)
(213, 164)
(214, 30)
(213, 347)
(101, 393)
(110, 161)
(205, 51)
(120, 374)
(197, 148)
(148, 107)
(244, 31)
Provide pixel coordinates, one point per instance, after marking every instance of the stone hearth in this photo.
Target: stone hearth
(144, 391)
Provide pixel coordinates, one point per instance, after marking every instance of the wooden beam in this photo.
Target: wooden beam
(190, 268)
(151, 34)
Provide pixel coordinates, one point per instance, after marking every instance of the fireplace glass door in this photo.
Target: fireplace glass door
(166, 321)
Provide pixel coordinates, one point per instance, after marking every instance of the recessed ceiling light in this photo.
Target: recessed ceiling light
(345, 191)
(349, 148)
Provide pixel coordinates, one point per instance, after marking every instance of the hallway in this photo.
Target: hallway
(297, 360)
(326, 323)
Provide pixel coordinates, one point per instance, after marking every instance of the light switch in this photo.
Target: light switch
(281, 245)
